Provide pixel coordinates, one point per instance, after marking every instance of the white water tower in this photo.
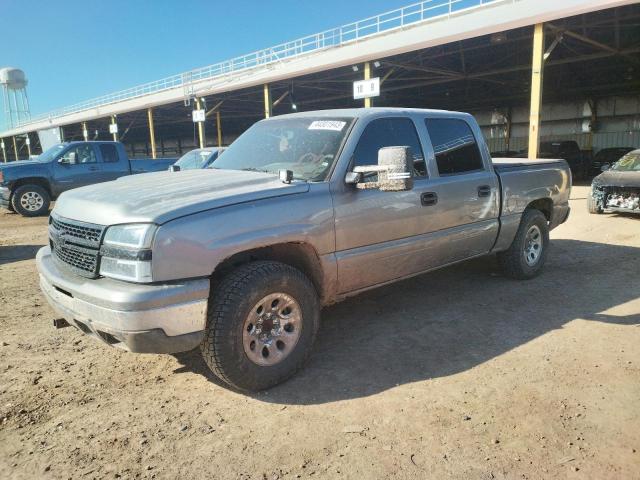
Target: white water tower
(14, 94)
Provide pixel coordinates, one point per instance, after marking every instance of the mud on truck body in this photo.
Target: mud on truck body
(301, 211)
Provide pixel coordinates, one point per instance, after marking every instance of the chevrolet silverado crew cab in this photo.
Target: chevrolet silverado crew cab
(28, 186)
(301, 211)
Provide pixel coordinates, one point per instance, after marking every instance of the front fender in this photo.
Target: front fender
(194, 245)
(16, 175)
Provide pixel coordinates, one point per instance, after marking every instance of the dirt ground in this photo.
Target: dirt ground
(460, 373)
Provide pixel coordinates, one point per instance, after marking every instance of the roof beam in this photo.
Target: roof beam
(582, 38)
(420, 68)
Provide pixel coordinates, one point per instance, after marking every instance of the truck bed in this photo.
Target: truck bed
(509, 164)
(523, 181)
(144, 165)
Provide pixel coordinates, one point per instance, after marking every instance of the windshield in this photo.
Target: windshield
(629, 163)
(610, 154)
(550, 148)
(194, 159)
(52, 153)
(307, 146)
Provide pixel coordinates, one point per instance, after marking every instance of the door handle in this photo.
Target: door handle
(428, 198)
(93, 169)
(484, 191)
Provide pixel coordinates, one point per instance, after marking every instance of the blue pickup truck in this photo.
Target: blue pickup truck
(27, 187)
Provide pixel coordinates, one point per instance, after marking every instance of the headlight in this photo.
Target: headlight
(126, 252)
(137, 235)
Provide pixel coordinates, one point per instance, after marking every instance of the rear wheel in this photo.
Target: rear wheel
(262, 321)
(526, 256)
(30, 200)
(593, 205)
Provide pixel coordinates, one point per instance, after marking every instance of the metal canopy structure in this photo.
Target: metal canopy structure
(473, 54)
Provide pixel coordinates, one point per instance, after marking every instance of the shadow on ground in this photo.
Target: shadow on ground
(451, 320)
(17, 253)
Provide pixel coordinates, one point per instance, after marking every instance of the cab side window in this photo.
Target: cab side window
(454, 145)
(109, 153)
(389, 132)
(80, 155)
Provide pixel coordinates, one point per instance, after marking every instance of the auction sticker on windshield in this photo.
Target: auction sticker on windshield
(334, 125)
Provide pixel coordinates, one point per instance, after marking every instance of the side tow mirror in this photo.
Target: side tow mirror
(353, 178)
(69, 159)
(394, 169)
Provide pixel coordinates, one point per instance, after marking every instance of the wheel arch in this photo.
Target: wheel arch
(39, 181)
(300, 255)
(544, 205)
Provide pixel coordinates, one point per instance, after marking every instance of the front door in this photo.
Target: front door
(377, 233)
(77, 167)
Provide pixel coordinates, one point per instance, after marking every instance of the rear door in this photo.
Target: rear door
(113, 165)
(466, 188)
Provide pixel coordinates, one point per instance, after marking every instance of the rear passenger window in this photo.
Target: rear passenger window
(389, 132)
(454, 145)
(109, 153)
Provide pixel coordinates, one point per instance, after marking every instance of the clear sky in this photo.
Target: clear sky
(73, 50)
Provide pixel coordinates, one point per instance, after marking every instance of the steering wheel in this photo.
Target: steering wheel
(308, 157)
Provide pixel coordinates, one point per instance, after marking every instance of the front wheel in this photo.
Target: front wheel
(262, 322)
(528, 251)
(30, 200)
(593, 205)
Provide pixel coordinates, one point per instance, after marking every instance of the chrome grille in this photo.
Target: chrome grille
(83, 232)
(75, 244)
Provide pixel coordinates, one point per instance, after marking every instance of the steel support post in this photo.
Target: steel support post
(200, 125)
(507, 130)
(368, 102)
(113, 122)
(593, 105)
(152, 132)
(15, 147)
(219, 127)
(537, 70)
(85, 132)
(267, 101)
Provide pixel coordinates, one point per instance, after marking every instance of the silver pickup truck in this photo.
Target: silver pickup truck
(301, 211)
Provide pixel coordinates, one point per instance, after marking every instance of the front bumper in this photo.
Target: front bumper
(5, 195)
(143, 318)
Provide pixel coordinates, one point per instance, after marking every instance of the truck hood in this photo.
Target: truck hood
(612, 178)
(23, 168)
(164, 196)
(19, 163)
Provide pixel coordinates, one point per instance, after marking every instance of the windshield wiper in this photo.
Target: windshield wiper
(253, 169)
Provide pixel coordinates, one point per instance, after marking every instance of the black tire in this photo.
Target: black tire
(593, 206)
(19, 202)
(514, 260)
(230, 305)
